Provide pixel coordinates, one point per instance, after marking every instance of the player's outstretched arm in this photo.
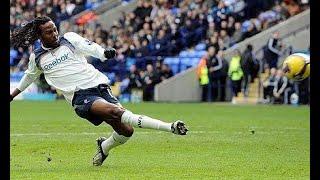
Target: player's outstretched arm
(88, 47)
(31, 74)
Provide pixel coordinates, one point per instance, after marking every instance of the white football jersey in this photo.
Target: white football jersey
(65, 67)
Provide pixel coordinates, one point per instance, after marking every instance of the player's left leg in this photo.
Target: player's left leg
(119, 136)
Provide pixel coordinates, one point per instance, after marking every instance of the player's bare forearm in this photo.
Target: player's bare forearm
(14, 94)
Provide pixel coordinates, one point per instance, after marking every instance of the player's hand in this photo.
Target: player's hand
(109, 53)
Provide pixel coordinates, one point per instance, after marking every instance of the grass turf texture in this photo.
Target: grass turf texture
(48, 141)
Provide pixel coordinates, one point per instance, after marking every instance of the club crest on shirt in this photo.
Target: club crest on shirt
(88, 42)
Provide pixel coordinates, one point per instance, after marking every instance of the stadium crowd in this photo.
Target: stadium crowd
(160, 28)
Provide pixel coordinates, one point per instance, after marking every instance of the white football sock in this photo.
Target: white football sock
(113, 141)
(142, 121)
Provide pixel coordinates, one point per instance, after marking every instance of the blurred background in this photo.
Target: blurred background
(180, 50)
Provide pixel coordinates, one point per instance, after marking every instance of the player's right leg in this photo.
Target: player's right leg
(110, 112)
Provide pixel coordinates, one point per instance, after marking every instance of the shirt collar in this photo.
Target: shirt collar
(47, 49)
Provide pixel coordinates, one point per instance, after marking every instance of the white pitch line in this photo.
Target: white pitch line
(89, 133)
(148, 133)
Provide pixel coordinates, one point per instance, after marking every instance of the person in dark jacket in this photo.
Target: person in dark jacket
(165, 72)
(134, 78)
(247, 65)
(272, 51)
(268, 85)
(223, 75)
(214, 67)
(150, 79)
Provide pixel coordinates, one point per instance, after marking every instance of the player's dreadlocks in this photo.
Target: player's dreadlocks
(27, 34)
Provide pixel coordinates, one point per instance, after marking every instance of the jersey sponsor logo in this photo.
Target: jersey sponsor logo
(56, 62)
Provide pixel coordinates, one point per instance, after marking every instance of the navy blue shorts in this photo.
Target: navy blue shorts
(84, 98)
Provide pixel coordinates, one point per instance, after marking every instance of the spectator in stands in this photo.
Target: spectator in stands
(247, 65)
(281, 83)
(213, 42)
(255, 6)
(268, 86)
(150, 79)
(268, 18)
(134, 78)
(230, 26)
(214, 65)
(157, 68)
(237, 34)
(235, 73)
(222, 74)
(220, 12)
(79, 7)
(249, 29)
(166, 72)
(143, 9)
(160, 45)
(291, 88)
(221, 44)
(272, 51)
(293, 6)
(225, 38)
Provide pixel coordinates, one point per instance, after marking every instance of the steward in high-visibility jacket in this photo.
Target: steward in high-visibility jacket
(235, 72)
(202, 72)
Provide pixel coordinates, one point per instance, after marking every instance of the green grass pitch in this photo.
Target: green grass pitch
(49, 141)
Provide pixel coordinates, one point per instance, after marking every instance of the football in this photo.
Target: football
(297, 66)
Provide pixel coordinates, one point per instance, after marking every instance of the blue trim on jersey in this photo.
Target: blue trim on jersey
(64, 41)
(40, 51)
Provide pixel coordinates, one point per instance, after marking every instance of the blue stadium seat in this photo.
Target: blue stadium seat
(200, 47)
(199, 54)
(184, 63)
(173, 62)
(191, 54)
(183, 54)
(188, 62)
(129, 62)
(183, 67)
(194, 61)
